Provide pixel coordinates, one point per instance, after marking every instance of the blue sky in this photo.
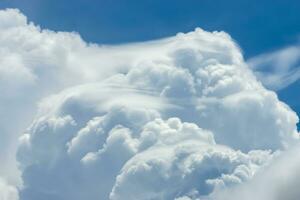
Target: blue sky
(258, 26)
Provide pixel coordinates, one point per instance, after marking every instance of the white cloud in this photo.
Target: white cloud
(7, 192)
(183, 160)
(279, 180)
(277, 69)
(130, 121)
(109, 154)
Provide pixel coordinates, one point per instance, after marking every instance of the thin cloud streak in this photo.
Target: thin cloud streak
(278, 69)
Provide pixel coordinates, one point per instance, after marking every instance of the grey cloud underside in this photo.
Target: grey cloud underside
(178, 118)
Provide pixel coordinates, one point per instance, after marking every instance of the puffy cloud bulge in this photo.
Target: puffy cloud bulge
(177, 118)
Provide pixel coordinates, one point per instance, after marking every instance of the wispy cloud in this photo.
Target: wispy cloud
(277, 69)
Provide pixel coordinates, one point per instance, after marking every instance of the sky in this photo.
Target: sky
(119, 100)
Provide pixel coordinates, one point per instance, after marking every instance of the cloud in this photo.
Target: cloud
(125, 154)
(130, 121)
(183, 160)
(7, 192)
(278, 180)
(277, 69)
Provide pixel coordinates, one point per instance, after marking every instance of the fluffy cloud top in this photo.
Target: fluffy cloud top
(178, 118)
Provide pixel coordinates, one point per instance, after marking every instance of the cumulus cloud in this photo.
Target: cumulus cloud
(183, 160)
(277, 69)
(276, 181)
(127, 153)
(178, 118)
